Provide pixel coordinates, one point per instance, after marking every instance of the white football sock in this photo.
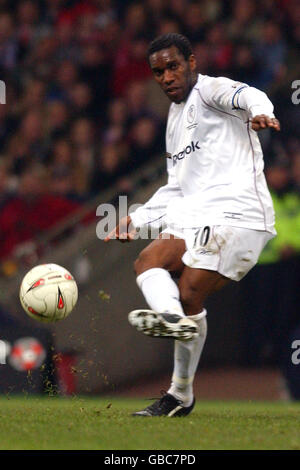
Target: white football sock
(160, 291)
(186, 358)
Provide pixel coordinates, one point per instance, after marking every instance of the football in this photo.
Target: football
(48, 293)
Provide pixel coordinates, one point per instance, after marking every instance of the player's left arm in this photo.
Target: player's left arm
(234, 97)
(259, 108)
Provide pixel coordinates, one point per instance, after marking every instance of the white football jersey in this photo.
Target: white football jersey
(214, 161)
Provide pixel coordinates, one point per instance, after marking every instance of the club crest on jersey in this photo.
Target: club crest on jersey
(191, 114)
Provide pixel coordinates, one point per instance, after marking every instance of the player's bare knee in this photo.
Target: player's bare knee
(187, 300)
(143, 262)
(191, 300)
(137, 265)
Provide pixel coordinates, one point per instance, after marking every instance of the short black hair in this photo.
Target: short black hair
(171, 39)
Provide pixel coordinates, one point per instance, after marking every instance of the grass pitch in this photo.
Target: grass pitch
(105, 423)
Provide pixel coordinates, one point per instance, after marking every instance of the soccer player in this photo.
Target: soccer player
(216, 210)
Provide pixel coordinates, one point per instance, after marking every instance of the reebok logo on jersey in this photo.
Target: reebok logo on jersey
(188, 149)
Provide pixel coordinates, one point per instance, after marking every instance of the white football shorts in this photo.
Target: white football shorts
(231, 251)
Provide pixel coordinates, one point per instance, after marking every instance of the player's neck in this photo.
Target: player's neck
(192, 84)
(194, 80)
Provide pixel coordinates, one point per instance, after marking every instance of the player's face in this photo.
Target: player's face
(174, 73)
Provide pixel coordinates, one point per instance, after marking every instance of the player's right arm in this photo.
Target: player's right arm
(151, 214)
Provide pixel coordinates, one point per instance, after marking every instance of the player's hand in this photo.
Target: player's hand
(261, 121)
(122, 232)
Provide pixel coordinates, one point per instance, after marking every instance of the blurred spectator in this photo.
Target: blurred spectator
(167, 25)
(31, 210)
(220, 49)
(27, 144)
(61, 169)
(135, 21)
(131, 64)
(111, 164)
(71, 11)
(202, 55)
(95, 71)
(56, 119)
(177, 9)
(212, 10)
(117, 121)
(86, 28)
(83, 140)
(67, 43)
(40, 60)
(244, 24)
(28, 27)
(32, 133)
(156, 11)
(271, 51)
(194, 23)
(137, 102)
(7, 185)
(9, 47)
(49, 11)
(146, 141)
(80, 98)
(33, 95)
(64, 78)
(245, 66)
(292, 20)
(106, 14)
(17, 155)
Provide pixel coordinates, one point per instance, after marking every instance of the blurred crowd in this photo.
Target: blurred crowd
(83, 112)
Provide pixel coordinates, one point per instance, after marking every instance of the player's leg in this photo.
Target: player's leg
(153, 268)
(229, 254)
(195, 286)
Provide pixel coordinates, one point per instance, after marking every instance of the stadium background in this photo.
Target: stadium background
(84, 123)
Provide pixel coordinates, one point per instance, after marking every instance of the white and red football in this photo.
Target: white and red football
(48, 293)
